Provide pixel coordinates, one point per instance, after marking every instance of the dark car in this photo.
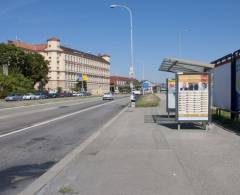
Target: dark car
(88, 94)
(14, 97)
(52, 95)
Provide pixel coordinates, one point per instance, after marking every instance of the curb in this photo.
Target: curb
(53, 172)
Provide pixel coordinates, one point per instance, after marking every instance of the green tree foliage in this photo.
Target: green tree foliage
(59, 89)
(31, 65)
(24, 69)
(13, 56)
(14, 83)
(79, 84)
(35, 68)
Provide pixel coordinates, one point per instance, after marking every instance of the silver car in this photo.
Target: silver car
(108, 96)
(29, 96)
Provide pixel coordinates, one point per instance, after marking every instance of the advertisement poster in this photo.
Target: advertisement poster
(193, 97)
(171, 99)
(238, 83)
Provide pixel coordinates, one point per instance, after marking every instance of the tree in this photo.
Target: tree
(35, 68)
(78, 86)
(59, 89)
(31, 65)
(13, 57)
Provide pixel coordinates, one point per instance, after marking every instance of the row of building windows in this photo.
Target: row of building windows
(122, 83)
(71, 85)
(74, 77)
(82, 60)
(86, 70)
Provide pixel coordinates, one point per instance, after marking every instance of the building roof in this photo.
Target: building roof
(223, 60)
(26, 46)
(42, 47)
(86, 55)
(186, 66)
(114, 79)
(53, 39)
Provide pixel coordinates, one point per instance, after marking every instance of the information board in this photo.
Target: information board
(171, 95)
(193, 97)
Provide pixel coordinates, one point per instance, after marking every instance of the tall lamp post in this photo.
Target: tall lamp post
(131, 68)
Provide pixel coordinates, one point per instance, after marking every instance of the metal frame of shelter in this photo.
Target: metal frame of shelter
(182, 66)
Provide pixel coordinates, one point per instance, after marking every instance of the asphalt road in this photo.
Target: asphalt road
(32, 139)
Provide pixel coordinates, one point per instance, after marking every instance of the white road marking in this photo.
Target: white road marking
(42, 181)
(45, 109)
(54, 119)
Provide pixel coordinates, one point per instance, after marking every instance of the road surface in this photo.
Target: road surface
(32, 139)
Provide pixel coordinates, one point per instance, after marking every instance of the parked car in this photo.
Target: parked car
(88, 94)
(78, 94)
(108, 96)
(137, 92)
(52, 95)
(41, 95)
(68, 94)
(14, 97)
(29, 96)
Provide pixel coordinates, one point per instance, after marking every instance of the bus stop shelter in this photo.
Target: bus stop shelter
(175, 65)
(190, 95)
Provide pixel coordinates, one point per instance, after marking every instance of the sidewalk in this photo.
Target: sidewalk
(133, 157)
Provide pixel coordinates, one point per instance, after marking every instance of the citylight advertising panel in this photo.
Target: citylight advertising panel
(171, 94)
(238, 84)
(193, 97)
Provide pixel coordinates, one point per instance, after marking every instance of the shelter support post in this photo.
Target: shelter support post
(179, 126)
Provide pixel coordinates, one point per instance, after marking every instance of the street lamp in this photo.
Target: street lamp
(131, 69)
(180, 42)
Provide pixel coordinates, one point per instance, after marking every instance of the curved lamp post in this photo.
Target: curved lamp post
(131, 69)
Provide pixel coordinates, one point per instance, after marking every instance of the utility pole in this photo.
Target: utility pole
(143, 78)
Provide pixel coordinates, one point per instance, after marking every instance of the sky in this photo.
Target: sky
(209, 29)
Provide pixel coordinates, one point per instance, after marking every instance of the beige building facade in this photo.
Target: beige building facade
(66, 64)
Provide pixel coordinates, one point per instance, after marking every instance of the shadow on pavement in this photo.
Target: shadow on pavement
(170, 122)
(11, 176)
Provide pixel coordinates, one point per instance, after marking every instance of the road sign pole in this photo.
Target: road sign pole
(82, 86)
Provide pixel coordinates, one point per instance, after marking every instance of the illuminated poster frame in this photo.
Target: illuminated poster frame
(170, 96)
(196, 117)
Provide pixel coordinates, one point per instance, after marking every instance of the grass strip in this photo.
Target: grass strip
(150, 100)
(225, 121)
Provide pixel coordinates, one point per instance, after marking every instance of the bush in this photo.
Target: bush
(15, 83)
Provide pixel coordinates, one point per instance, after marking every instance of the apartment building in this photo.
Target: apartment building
(66, 64)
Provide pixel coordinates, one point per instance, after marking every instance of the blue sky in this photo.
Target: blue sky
(91, 26)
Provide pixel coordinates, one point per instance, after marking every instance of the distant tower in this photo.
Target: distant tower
(53, 43)
(106, 57)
